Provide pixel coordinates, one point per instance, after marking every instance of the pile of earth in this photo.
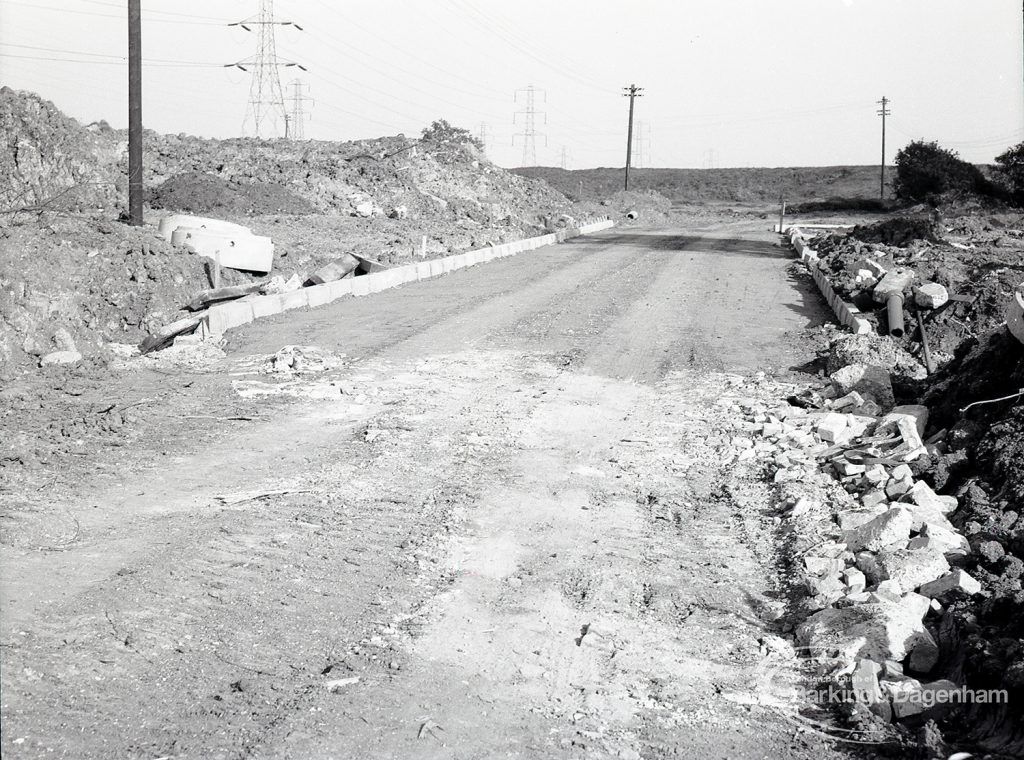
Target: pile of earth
(73, 279)
(78, 283)
(49, 160)
(206, 194)
(425, 179)
(982, 639)
(979, 261)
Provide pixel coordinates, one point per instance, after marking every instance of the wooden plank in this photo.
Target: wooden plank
(166, 334)
(213, 295)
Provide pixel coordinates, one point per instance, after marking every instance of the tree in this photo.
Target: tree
(1011, 168)
(925, 171)
(443, 138)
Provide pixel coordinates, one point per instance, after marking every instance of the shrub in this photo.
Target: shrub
(925, 171)
(443, 138)
(1011, 169)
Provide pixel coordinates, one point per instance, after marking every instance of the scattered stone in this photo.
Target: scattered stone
(953, 545)
(931, 295)
(873, 498)
(910, 568)
(832, 428)
(923, 496)
(823, 565)
(855, 581)
(918, 411)
(888, 529)
(901, 471)
(864, 681)
(849, 519)
(897, 488)
(952, 587)
(60, 357)
(925, 654)
(867, 380)
(929, 701)
(877, 631)
(846, 468)
(851, 399)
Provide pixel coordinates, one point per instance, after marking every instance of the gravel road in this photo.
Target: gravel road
(500, 526)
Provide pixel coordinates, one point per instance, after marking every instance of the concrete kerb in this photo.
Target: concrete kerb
(223, 317)
(227, 315)
(847, 314)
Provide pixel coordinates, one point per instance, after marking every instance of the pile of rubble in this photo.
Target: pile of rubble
(888, 560)
(897, 269)
(905, 519)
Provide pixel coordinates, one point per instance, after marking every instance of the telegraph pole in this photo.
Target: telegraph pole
(883, 112)
(484, 137)
(632, 92)
(135, 113)
(565, 157)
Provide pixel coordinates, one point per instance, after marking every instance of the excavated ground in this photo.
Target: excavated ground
(492, 518)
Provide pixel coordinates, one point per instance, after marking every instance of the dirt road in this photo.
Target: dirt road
(501, 526)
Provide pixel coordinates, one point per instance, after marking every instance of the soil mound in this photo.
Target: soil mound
(202, 193)
(899, 232)
(50, 160)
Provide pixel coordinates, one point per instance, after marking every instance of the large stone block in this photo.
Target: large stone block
(891, 528)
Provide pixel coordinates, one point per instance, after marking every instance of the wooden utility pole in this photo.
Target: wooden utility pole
(632, 92)
(135, 113)
(883, 112)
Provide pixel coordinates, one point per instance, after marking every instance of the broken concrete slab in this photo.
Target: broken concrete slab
(876, 631)
(246, 252)
(923, 496)
(889, 529)
(952, 587)
(910, 568)
(849, 519)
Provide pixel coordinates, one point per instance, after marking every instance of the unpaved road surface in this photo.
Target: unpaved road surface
(500, 527)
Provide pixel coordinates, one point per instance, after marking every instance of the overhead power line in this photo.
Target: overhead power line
(529, 133)
(266, 99)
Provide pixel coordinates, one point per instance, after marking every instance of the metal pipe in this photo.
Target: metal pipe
(929, 363)
(894, 313)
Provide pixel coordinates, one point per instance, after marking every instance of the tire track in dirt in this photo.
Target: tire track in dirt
(532, 557)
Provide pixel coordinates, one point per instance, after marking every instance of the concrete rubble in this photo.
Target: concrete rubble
(888, 566)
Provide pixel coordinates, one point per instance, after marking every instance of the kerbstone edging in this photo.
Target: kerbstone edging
(846, 313)
(224, 316)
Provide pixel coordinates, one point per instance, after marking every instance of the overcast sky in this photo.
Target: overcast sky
(726, 82)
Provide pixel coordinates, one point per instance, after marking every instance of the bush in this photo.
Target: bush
(1011, 169)
(925, 171)
(443, 138)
